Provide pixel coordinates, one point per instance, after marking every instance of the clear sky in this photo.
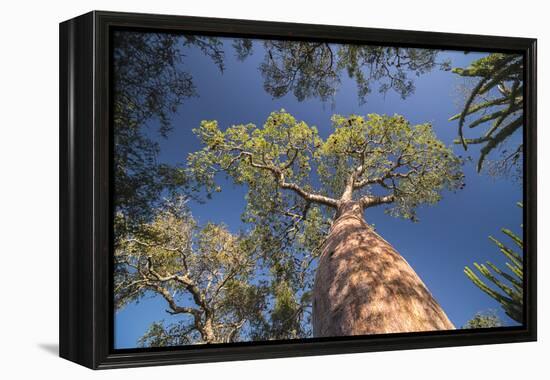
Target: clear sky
(450, 235)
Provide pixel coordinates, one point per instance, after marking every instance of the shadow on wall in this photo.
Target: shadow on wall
(51, 348)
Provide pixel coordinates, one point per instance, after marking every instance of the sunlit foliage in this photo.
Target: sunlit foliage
(483, 320)
(374, 160)
(205, 274)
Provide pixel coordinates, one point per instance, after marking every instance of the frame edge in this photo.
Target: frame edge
(83, 108)
(76, 256)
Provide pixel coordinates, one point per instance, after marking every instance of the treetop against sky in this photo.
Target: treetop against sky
(407, 163)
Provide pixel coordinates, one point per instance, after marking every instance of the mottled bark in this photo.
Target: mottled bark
(207, 332)
(364, 286)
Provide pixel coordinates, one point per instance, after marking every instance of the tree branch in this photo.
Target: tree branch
(279, 175)
(370, 201)
(174, 307)
(189, 285)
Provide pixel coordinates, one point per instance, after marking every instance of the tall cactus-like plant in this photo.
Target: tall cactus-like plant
(495, 105)
(509, 284)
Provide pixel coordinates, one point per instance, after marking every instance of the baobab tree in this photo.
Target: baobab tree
(362, 284)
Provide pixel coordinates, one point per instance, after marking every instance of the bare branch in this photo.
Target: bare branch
(174, 307)
(370, 201)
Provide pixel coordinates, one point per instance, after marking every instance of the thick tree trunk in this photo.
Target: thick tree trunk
(363, 286)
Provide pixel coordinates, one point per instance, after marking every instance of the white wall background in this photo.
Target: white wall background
(29, 187)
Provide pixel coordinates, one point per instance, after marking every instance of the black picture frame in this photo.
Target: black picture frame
(86, 314)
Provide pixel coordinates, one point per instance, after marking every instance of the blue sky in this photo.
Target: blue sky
(448, 236)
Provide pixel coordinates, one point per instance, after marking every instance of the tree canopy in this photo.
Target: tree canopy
(494, 106)
(218, 287)
(203, 273)
(374, 160)
(483, 320)
(149, 85)
(314, 69)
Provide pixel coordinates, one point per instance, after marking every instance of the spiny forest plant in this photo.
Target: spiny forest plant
(507, 283)
(494, 107)
(377, 160)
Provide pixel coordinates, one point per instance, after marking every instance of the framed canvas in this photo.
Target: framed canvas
(235, 189)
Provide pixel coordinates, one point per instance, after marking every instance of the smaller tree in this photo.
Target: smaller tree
(204, 274)
(483, 320)
(287, 315)
(509, 287)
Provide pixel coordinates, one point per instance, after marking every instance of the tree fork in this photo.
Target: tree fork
(364, 286)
